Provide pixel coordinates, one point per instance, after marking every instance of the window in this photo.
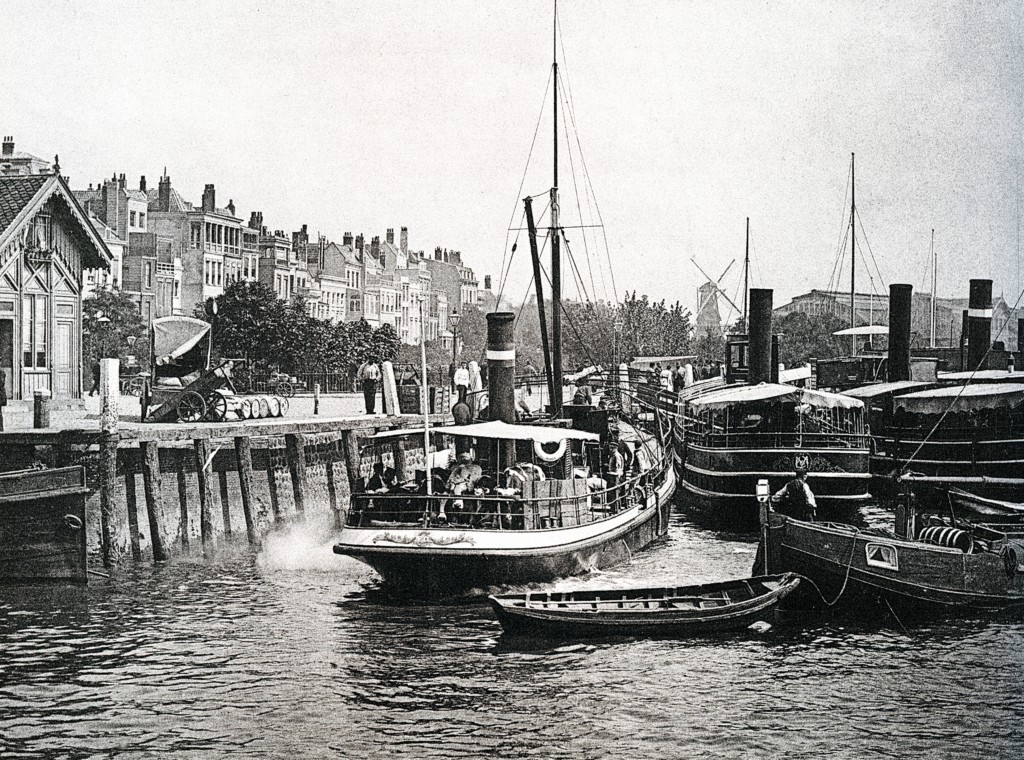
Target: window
(882, 555)
(148, 274)
(33, 332)
(142, 219)
(131, 219)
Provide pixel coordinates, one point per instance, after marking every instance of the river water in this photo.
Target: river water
(294, 652)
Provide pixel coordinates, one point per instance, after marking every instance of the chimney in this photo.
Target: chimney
(900, 306)
(404, 240)
(142, 183)
(165, 193)
(359, 243)
(391, 235)
(437, 253)
(8, 146)
(209, 199)
(346, 239)
(760, 347)
(231, 206)
(487, 282)
(375, 247)
(979, 323)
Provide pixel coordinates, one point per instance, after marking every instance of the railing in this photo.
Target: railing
(491, 511)
(778, 440)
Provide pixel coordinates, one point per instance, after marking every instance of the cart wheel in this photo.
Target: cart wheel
(216, 408)
(284, 405)
(191, 407)
(136, 386)
(284, 388)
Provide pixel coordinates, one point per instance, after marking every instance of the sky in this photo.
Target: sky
(690, 116)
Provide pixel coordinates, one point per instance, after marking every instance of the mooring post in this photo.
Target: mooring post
(154, 500)
(41, 408)
(109, 393)
(350, 445)
(332, 494)
(183, 522)
(202, 451)
(316, 398)
(295, 447)
(243, 452)
(132, 505)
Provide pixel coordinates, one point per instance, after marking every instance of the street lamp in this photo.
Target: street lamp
(453, 321)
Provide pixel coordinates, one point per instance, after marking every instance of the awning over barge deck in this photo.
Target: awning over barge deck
(497, 430)
(747, 394)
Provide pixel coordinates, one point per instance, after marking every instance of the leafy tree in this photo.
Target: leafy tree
(803, 338)
(251, 323)
(113, 328)
(384, 344)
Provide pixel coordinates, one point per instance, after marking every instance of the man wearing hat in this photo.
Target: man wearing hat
(796, 498)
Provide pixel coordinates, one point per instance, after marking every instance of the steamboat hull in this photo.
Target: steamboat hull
(721, 483)
(440, 562)
(848, 566)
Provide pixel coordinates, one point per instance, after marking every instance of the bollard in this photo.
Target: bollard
(109, 393)
(41, 408)
(316, 398)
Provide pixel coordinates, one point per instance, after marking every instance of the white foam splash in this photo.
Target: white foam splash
(302, 547)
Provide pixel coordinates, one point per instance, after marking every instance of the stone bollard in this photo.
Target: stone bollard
(316, 398)
(41, 408)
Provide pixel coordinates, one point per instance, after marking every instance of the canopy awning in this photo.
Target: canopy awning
(747, 394)
(499, 431)
(879, 389)
(982, 376)
(864, 330)
(958, 398)
(176, 336)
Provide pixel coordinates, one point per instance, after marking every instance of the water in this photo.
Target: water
(297, 653)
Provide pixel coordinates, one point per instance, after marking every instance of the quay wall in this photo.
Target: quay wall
(300, 472)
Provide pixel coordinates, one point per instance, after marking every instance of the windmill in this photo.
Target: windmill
(708, 320)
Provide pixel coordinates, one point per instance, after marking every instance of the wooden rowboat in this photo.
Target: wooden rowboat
(683, 610)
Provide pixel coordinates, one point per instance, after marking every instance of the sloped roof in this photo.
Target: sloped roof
(21, 197)
(178, 203)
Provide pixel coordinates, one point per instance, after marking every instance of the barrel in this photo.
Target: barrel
(942, 535)
(274, 404)
(264, 406)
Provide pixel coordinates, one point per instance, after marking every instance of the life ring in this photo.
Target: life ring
(548, 456)
(73, 521)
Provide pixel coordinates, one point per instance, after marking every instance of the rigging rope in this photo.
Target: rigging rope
(872, 253)
(575, 189)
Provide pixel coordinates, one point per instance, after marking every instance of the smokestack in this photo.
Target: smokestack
(501, 365)
(963, 339)
(209, 199)
(979, 323)
(404, 240)
(775, 358)
(1020, 337)
(759, 356)
(901, 298)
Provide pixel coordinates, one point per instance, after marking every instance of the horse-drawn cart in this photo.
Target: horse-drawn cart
(185, 387)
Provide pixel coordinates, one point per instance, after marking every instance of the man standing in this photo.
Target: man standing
(615, 475)
(369, 376)
(796, 499)
(462, 378)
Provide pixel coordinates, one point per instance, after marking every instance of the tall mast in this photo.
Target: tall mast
(934, 263)
(853, 251)
(556, 263)
(746, 275)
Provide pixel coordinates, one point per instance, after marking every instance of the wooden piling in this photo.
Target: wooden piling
(332, 494)
(183, 524)
(275, 503)
(109, 393)
(295, 447)
(202, 456)
(243, 452)
(350, 443)
(154, 499)
(225, 507)
(131, 503)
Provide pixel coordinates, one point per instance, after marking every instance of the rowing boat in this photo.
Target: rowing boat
(682, 610)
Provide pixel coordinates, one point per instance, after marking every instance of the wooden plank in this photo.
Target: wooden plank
(295, 449)
(225, 506)
(183, 525)
(243, 452)
(154, 499)
(202, 458)
(132, 505)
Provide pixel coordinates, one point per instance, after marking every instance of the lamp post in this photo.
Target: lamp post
(453, 321)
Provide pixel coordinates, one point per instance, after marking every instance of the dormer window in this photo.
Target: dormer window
(39, 239)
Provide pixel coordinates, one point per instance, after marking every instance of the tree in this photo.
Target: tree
(803, 338)
(251, 323)
(113, 328)
(384, 344)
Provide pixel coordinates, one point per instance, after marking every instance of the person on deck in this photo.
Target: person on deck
(462, 479)
(615, 475)
(382, 480)
(796, 499)
(369, 376)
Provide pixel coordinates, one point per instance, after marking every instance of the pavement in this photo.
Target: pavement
(85, 413)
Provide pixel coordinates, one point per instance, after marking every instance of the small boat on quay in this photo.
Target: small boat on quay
(675, 611)
(929, 562)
